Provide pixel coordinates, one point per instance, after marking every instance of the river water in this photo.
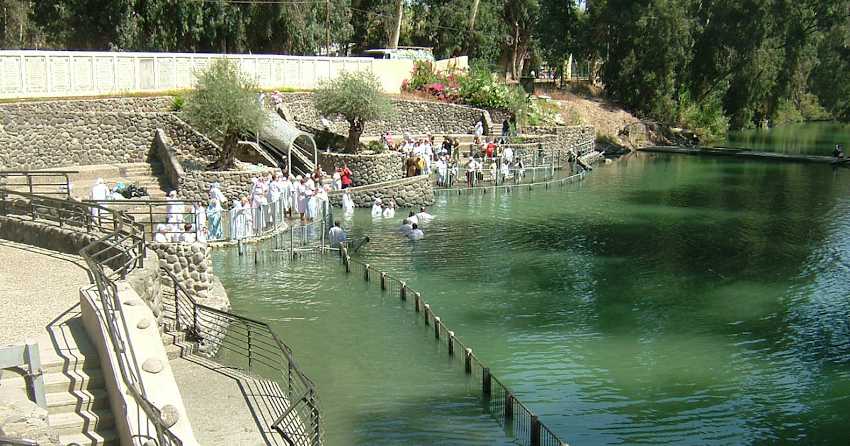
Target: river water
(664, 300)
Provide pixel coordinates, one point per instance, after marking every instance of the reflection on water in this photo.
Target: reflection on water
(665, 299)
(816, 138)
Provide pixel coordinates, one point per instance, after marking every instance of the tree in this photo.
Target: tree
(521, 17)
(357, 97)
(224, 105)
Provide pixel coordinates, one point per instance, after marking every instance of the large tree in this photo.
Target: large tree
(224, 105)
(357, 97)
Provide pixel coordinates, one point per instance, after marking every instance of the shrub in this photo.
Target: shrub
(177, 103)
(357, 97)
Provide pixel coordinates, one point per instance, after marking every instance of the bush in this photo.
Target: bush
(177, 103)
(375, 146)
(356, 96)
(706, 119)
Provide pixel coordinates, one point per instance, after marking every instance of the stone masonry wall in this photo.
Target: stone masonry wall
(414, 117)
(366, 169)
(99, 105)
(191, 264)
(579, 138)
(407, 192)
(195, 185)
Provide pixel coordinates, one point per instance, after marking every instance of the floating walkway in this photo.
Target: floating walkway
(751, 154)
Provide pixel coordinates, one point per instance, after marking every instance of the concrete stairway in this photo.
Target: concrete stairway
(78, 404)
(147, 175)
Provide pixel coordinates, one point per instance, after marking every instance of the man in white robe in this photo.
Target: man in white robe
(99, 192)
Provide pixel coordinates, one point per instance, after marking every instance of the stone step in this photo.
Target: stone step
(81, 422)
(57, 364)
(62, 382)
(180, 349)
(102, 438)
(77, 401)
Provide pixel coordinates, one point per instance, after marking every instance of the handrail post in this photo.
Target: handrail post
(416, 301)
(535, 431)
(486, 382)
(427, 310)
(451, 343)
(366, 273)
(250, 356)
(403, 291)
(437, 327)
(509, 406)
(467, 360)
(383, 280)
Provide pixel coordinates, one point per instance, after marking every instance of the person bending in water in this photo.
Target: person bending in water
(406, 227)
(416, 233)
(336, 235)
(423, 216)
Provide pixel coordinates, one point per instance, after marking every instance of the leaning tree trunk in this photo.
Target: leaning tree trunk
(228, 153)
(355, 129)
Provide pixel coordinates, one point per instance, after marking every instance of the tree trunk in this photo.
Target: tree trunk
(355, 129)
(397, 28)
(472, 15)
(228, 153)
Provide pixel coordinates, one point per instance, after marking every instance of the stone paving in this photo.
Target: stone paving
(36, 286)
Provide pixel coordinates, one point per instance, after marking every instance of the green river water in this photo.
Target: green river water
(663, 300)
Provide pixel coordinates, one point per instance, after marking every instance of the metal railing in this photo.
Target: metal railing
(122, 249)
(172, 214)
(519, 420)
(508, 186)
(252, 347)
(56, 183)
(459, 176)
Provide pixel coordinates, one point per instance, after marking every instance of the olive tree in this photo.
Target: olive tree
(357, 97)
(224, 105)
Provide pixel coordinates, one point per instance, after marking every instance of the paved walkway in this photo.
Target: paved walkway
(218, 409)
(36, 287)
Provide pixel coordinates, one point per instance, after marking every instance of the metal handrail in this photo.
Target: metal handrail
(119, 229)
(272, 346)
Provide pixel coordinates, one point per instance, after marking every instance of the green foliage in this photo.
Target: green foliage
(356, 96)
(375, 146)
(177, 103)
(224, 104)
(706, 119)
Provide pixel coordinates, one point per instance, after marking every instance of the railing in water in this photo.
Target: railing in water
(502, 404)
(253, 348)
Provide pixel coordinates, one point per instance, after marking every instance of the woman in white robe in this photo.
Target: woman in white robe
(99, 192)
(389, 211)
(377, 209)
(175, 209)
(301, 203)
(347, 203)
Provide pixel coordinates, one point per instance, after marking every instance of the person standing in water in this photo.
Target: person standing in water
(416, 233)
(336, 235)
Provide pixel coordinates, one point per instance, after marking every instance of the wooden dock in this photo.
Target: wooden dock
(750, 154)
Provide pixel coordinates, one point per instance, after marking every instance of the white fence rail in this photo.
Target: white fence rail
(32, 74)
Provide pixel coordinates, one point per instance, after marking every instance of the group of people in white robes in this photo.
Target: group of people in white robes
(411, 226)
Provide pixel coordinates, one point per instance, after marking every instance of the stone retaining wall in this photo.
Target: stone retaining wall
(195, 185)
(414, 117)
(191, 264)
(407, 192)
(97, 105)
(569, 137)
(366, 169)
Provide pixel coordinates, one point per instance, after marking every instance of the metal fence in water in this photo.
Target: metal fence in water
(547, 183)
(502, 404)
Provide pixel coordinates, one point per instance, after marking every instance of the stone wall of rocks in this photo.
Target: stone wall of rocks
(414, 117)
(195, 185)
(365, 169)
(146, 282)
(579, 138)
(191, 264)
(407, 192)
(23, 420)
(100, 105)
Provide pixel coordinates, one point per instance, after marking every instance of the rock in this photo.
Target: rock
(169, 415)
(152, 365)
(143, 324)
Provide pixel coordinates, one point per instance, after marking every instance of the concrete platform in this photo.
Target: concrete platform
(744, 153)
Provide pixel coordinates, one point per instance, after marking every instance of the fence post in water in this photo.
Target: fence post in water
(366, 272)
(535, 431)
(403, 291)
(437, 327)
(451, 343)
(248, 327)
(427, 310)
(347, 264)
(383, 280)
(416, 300)
(486, 382)
(467, 360)
(509, 406)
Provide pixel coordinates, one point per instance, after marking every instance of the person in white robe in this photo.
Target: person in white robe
(286, 195)
(200, 213)
(161, 235)
(412, 218)
(336, 236)
(99, 192)
(175, 208)
(442, 172)
(389, 210)
(337, 180)
(237, 221)
(423, 216)
(416, 233)
(377, 209)
(301, 201)
(347, 203)
(188, 235)
(216, 194)
(508, 155)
